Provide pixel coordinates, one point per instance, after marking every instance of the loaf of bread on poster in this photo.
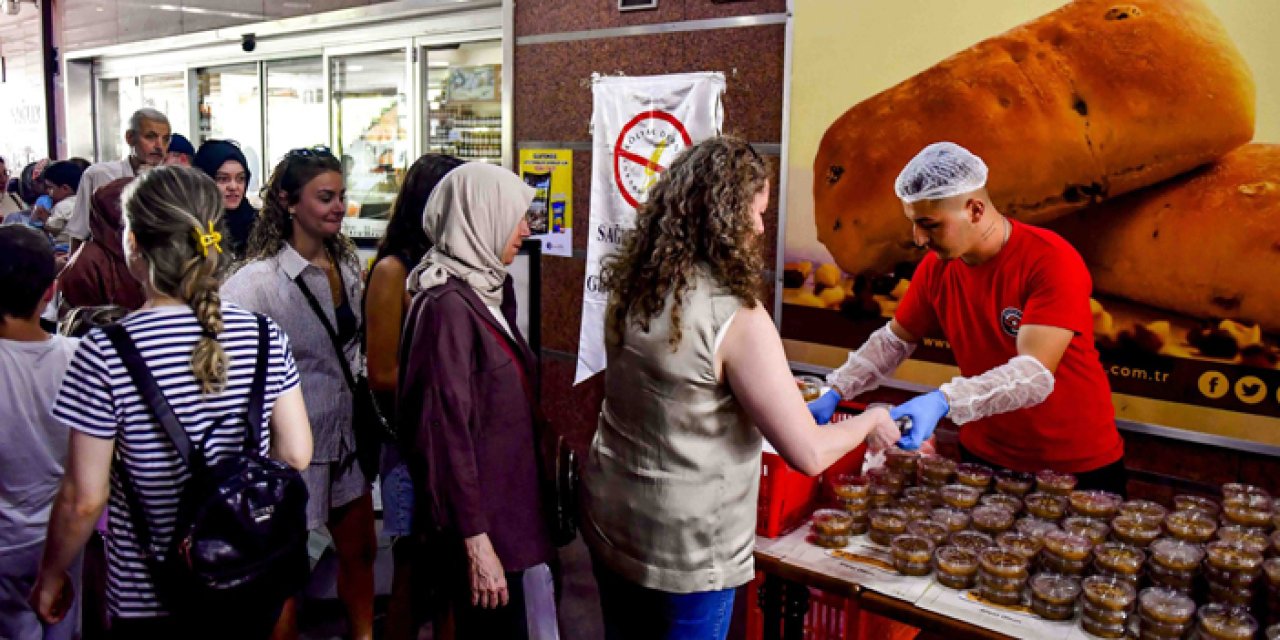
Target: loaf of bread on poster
(1206, 244)
(1093, 100)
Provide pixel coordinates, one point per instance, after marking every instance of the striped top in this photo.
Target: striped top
(98, 398)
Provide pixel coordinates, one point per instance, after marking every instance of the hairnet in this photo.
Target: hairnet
(940, 170)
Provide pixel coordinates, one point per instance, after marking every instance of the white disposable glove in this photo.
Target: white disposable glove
(1017, 384)
(867, 367)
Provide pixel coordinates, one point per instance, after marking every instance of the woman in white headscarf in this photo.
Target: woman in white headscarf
(466, 408)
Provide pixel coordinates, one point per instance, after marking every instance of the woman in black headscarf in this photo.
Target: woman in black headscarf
(226, 164)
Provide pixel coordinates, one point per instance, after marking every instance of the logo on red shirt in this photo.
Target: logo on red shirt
(1011, 320)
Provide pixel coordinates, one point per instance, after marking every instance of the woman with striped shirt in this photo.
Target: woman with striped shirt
(203, 354)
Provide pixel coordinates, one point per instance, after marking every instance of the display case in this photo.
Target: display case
(464, 101)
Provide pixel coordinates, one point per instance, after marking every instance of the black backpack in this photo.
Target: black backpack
(239, 548)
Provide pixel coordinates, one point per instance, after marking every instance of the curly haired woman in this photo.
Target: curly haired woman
(299, 265)
(696, 375)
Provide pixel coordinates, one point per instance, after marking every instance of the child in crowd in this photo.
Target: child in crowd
(32, 364)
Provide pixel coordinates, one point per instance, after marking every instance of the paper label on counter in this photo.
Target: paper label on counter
(1018, 622)
(865, 563)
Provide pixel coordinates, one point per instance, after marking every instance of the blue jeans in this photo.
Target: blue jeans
(633, 612)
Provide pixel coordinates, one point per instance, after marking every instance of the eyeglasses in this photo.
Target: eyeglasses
(312, 152)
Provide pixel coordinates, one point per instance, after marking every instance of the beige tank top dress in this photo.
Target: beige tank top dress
(671, 480)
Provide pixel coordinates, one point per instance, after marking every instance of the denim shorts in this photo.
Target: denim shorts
(397, 495)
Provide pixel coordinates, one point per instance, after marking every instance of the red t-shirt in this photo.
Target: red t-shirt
(1037, 278)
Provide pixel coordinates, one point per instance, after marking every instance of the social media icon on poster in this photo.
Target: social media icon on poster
(1251, 390)
(1213, 384)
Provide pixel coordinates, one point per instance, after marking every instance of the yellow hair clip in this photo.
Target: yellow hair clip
(206, 240)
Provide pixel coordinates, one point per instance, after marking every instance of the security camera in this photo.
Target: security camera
(248, 42)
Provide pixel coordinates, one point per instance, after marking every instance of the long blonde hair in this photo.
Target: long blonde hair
(169, 210)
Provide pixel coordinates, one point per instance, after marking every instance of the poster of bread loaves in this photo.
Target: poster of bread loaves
(1146, 133)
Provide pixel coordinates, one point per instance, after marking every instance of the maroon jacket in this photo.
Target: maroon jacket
(97, 274)
(467, 426)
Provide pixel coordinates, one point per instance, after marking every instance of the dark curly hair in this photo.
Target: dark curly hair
(699, 211)
(274, 225)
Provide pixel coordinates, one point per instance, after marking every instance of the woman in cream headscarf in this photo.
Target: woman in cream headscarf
(465, 408)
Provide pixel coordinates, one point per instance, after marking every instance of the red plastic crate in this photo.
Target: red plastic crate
(787, 496)
(830, 617)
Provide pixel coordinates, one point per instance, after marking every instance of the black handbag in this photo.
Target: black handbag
(239, 547)
(370, 425)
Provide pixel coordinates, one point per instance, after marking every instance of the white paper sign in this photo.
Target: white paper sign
(1018, 622)
(865, 563)
(640, 124)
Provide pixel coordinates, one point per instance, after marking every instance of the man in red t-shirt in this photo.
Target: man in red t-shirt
(1013, 301)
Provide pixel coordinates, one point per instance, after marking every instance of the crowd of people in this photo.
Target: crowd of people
(221, 380)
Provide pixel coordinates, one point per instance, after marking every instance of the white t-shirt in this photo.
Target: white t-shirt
(59, 217)
(96, 176)
(35, 442)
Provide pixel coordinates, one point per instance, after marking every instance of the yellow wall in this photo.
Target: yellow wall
(847, 50)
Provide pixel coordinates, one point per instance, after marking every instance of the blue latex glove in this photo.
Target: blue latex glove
(925, 411)
(823, 408)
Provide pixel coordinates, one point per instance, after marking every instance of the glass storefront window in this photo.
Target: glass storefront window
(167, 93)
(296, 112)
(231, 109)
(111, 124)
(371, 135)
(464, 101)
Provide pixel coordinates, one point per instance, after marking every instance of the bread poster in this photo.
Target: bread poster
(1146, 133)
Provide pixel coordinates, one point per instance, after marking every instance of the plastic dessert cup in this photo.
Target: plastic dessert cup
(1095, 530)
(1240, 490)
(953, 519)
(936, 532)
(1177, 555)
(1068, 546)
(1188, 502)
(1052, 482)
(1232, 557)
(911, 554)
(1035, 527)
(1117, 558)
(887, 523)
(960, 496)
(1095, 504)
(957, 568)
(1009, 502)
(1223, 622)
(1046, 506)
(1108, 593)
(1015, 483)
(974, 475)
(1136, 529)
(852, 487)
(1053, 596)
(1249, 538)
(1247, 511)
(936, 470)
(999, 563)
(992, 520)
(903, 461)
(1021, 544)
(1145, 508)
(1191, 525)
(972, 541)
(1166, 606)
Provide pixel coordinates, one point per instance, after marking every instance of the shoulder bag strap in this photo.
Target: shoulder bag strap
(151, 394)
(258, 392)
(146, 384)
(333, 335)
